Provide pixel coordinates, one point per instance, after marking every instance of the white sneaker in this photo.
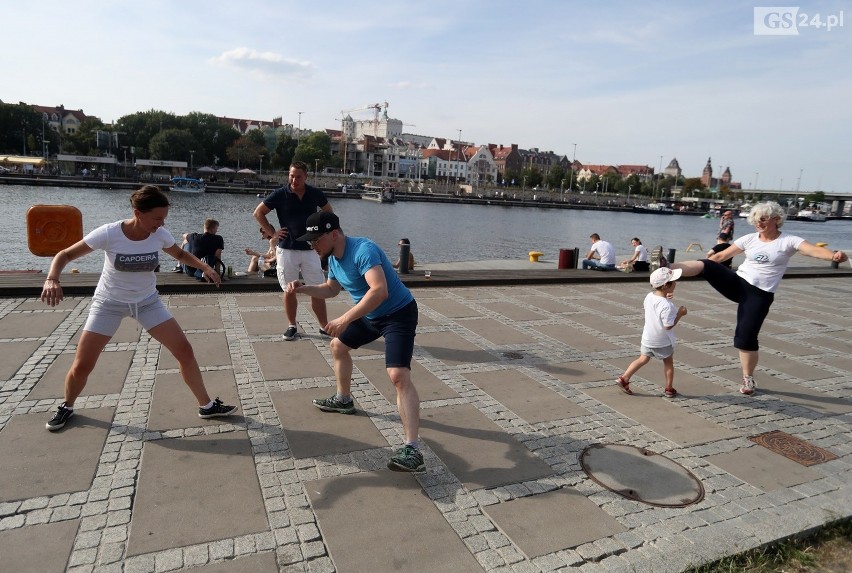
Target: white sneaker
(748, 385)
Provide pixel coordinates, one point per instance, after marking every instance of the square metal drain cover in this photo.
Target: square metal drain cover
(792, 447)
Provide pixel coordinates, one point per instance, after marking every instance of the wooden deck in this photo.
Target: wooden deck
(29, 284)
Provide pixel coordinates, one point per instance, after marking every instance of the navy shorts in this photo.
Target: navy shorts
(752, 303)
(397, 328)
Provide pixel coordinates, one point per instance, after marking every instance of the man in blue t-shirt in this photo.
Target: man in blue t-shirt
(383, 307)
(293, 203)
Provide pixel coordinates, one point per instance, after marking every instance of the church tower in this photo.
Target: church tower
(707, 174)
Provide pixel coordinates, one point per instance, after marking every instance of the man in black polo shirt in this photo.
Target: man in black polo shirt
(293, 203)
(207, 247)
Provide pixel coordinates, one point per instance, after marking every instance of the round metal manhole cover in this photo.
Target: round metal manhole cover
(641, 475)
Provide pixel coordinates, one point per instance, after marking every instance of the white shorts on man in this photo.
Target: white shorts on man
(292, 262)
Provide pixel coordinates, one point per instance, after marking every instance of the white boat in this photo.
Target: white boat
(188, 185)
(744, 210)
(655, 208)
(814, 215)
(379, 196)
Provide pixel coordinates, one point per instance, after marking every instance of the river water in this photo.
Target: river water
(439, 232)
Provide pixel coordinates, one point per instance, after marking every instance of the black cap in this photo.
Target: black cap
(318, 224)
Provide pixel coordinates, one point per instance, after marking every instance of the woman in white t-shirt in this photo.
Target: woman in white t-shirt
(128, 287)
(753, 284)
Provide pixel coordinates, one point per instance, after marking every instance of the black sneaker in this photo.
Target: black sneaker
(324, 333)
(334, 405)
(217, 410)
(407, 459)
(291, 333)
(62, 415)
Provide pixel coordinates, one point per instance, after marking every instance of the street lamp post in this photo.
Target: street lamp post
(299, 130)
(125, 161)
(191, 156)
(316, 167)
(573, 160)
(260, 171)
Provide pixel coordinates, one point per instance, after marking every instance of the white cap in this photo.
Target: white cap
(664, 275)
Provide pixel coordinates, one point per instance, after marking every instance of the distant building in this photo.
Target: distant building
(66, 121)
(673, 169)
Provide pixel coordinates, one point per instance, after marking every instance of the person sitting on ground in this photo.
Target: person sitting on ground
(207, 247)
(639, 261)
(265, 261)
(411, 261)
(658, 339)
(721, 244)
(604, 251)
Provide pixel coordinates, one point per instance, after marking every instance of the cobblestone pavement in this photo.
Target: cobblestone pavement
(516, 382)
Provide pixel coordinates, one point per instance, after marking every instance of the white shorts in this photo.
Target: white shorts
(660, 353)
(291, 263)
(105, 315)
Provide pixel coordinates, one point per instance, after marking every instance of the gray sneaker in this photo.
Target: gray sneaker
(407, 459)
(334, 405)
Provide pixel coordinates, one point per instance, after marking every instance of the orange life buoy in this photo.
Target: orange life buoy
(51, 228)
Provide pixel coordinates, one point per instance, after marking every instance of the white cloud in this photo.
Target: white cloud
(268, 64)
(406, 85)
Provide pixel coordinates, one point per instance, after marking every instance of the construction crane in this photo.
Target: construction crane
(344, 140)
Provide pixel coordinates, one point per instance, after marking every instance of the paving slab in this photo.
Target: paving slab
(550, 522)
(452, 349)
(41, 548)
(265, 322)
(661, 415)
(15, 355)
(31, 324)
(173, 406)
(312, 433)
(176, 300)
(260, 300)
(450, 308)
(576, 338)
(429, 387)
(793, 393)
(605, 325)
(790, 347)
(198, 317)
(181, 480)
(549, 305)
(367, 520)
(495, 331)
(763, 468)
(794, 367)
(525, 396)
(830, 343)
(30, 453)
(283, 360)
(575, 372)
(211, 349)
(514, 311)
(107, 378)
(696, 358)
(476, 450)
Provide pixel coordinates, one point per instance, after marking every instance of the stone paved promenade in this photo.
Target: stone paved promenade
(516, 382)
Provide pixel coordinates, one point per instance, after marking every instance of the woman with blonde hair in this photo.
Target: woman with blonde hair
(752, 286)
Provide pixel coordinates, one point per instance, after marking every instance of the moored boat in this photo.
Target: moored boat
(188, 185)
(654, 208)
(378, 195)
(814, 215)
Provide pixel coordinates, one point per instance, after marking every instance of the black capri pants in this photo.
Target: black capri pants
(752, 303)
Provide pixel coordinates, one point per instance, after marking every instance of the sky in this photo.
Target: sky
(616, 82)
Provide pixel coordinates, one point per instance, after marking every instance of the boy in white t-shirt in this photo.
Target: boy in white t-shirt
(658, 339)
